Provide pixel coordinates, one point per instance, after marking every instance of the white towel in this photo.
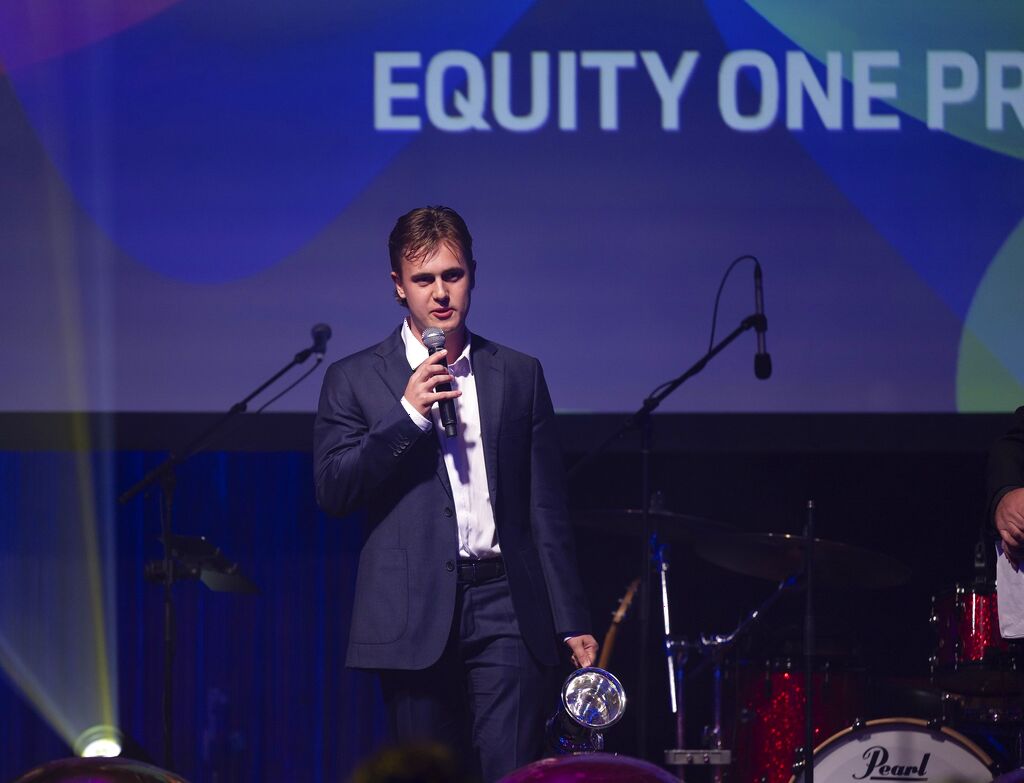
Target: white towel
(1009, 596)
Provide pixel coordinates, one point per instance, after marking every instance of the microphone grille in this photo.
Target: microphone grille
(433, 338)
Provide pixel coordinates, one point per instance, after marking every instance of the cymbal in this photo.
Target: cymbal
(670, 526)
(780, 555)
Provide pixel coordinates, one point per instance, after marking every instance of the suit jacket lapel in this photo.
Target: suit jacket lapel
(392, 364)
(489, 374)
(393, 367)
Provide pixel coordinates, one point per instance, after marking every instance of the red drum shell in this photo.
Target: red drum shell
(970, 654)
(769, 722)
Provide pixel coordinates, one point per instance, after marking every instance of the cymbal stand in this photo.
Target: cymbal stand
(677, 652)
(808, 749)
(673, 650)
(715, 647)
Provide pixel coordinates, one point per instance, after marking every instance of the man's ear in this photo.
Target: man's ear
(399, 289)
(472, 273)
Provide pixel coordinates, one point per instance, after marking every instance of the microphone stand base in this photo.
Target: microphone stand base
(702, 757)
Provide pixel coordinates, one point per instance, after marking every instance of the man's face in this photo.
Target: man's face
(437, 290)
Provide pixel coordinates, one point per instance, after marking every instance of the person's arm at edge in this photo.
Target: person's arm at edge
(1006, 488)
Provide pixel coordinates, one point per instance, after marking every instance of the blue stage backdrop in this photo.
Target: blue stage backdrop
(187, 187)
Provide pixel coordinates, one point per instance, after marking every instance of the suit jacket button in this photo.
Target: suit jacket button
(449, 566)
(447, 511)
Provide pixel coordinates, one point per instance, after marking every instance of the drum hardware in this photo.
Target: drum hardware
(997, 722)
(714, 648)
(809, 547)
(714, 755)
(951, 705)
(694, 758)
(677, 651)
(592, 701)
(1004, 713)
(763, 555)
(799, 561)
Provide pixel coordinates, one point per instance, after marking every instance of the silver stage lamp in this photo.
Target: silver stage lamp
(592, 701)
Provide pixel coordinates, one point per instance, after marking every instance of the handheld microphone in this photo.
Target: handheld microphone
(433, 338)
(762, 359)
(321, 334)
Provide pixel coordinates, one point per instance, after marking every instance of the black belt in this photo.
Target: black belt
(476, 571)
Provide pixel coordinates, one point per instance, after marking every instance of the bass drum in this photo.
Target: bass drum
(899, 749)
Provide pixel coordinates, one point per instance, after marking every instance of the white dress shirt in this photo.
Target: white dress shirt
(1009, 596)
(463, 454)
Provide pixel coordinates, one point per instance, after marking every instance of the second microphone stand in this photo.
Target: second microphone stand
(168, 572)
(642, 420)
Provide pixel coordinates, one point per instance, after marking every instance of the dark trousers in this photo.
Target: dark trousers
(487, 697)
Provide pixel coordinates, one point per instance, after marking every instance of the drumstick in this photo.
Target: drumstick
(613, 629)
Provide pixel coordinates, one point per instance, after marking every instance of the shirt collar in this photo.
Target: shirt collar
(416, 352)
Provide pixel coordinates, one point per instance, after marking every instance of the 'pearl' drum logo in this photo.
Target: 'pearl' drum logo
(879, 768)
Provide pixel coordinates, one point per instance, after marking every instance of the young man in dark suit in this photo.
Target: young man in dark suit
(467, 594)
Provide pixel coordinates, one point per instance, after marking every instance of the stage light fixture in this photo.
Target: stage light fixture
(592, 700)
(99, 741)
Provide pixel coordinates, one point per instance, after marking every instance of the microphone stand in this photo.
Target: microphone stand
(164, 474)
(808, 754)
(643, 420)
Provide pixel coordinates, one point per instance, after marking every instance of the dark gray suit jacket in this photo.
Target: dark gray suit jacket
(1006, 463)
(369, 454)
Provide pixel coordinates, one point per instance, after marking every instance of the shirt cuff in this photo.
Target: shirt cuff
(418, 418)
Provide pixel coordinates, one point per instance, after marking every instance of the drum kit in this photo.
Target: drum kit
(972, 728)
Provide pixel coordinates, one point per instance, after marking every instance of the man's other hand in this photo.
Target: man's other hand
(1010, 525)
(584, 650)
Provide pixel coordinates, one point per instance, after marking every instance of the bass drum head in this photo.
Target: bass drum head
(899, 749)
